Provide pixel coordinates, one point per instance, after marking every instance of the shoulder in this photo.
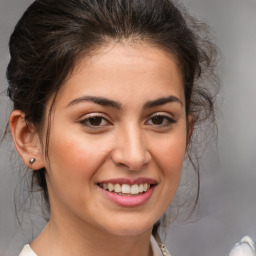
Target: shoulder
(246, 247)
(27, 251)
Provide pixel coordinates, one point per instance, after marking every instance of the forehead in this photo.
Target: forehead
(128, 70)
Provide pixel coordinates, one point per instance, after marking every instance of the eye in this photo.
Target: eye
(161, 120)
(95, 121)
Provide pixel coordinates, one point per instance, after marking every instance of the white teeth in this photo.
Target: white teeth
(145, 187)
(134, 189)
(118, 188)
(110, 187)
(126, 189)
(141, 188)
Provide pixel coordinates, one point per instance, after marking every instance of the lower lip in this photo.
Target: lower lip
(129, 201)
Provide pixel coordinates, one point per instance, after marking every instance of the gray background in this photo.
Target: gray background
(227, 205)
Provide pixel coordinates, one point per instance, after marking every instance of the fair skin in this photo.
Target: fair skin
(120, 119)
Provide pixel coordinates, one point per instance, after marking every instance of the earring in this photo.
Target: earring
(32, 160)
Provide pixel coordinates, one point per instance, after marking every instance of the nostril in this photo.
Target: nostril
(130, 153)
(131, 162)
(122, 165)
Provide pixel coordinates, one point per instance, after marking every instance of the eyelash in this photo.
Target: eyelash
(165, 118)
(90, 117)
(166, 121)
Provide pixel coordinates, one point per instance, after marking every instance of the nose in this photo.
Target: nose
(130, 149)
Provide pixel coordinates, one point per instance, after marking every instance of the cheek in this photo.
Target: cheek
(72, 169)
(170, 158)
(74, 157)
(175, 152)
(171, 153)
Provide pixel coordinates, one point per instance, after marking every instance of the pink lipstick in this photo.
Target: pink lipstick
(126, 192)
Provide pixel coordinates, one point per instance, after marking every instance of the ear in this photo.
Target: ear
(26, 140)
(190, 129)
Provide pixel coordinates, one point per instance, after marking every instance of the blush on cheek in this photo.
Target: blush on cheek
(173, 154)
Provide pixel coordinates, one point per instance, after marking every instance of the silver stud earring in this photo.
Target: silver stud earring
(32, 160)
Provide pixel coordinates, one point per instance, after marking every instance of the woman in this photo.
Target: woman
(106, 97)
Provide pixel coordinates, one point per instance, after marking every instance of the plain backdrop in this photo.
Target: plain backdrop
(227, 204)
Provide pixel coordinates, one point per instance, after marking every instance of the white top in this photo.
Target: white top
(246, 247)
(27, 250)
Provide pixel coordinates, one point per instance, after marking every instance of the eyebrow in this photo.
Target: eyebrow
(117, 105)
(97, 100)
(162, 101)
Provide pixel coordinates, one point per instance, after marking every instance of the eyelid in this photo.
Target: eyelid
(93, 114)
(162, 114)
(87, 117)
(169, 117)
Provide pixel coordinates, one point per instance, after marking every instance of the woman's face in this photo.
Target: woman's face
(117, 141)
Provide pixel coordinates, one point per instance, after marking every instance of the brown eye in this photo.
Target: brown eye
(160, 120)
(157, 120)
(95, 121)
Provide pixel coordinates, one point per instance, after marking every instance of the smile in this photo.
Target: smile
(126, 189)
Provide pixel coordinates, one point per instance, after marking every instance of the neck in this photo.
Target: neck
(83, 239)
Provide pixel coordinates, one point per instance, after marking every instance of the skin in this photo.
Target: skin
(126, 142)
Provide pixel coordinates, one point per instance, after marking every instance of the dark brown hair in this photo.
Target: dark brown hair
(53, 34)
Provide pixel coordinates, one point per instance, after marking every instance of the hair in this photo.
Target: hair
(52, 35)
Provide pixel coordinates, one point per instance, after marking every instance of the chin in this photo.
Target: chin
(133, 228)
(131, 232)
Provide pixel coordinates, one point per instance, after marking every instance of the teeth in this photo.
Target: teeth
(134, 189)
(145, 187)
(141, 188)
(118, 188)
(110, 187)
(127, 189)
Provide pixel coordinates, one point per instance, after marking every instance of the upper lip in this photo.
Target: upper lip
(128, 181)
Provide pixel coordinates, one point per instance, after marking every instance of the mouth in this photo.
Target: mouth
(126, 192)
(126, 189)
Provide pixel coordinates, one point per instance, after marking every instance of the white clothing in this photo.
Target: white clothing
(246, 247)
(27, 250)
(156, 249)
